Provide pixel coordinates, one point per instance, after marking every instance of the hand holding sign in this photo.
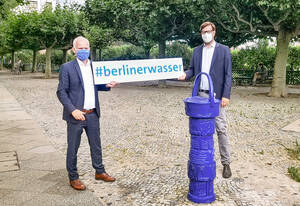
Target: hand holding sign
(112, 84)
(182, 77)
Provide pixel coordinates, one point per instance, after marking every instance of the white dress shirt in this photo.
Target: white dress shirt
(207, 55)
(88, 82)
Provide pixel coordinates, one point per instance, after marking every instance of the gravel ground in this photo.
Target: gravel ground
(145, 141)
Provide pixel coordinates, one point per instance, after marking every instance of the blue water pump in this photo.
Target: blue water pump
(201, 165)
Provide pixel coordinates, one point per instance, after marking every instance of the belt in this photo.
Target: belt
(205, 91)
(88, 111)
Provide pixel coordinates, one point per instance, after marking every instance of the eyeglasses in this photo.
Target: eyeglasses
(206, 32)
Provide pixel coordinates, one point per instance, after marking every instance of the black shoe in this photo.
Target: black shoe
(226, 171)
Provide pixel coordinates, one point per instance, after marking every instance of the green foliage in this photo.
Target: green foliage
(249, 58)
(26, 57)
(143, 23)
(57, 57)
(98, 37)
(57, 28)
(294, 173)
(6, 5)
(293, 62)
(261, 17)
(123, 52)
(10, 34)
(33, 30)
(176, 49)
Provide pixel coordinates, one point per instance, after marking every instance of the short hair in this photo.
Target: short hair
(77, 38)
(207, 23)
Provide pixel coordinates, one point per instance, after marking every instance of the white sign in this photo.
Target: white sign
(137, 70)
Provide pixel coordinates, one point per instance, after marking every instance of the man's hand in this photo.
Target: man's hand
(112, 84)
(181, 78)
(224, 102)
(78, 115)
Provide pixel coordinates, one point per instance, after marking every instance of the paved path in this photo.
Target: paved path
(32, 171)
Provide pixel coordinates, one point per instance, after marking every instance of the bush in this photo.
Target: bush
(25, 56)
(248, 59)
(57, 57)
(294, 172)
(123, 52)
(176, 49)
(294, 59)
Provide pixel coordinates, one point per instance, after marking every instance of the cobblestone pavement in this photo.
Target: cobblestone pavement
(145, 140)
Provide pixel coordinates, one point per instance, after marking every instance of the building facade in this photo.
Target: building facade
(39, 5)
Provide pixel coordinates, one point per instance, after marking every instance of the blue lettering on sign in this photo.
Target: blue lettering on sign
(106, 71)
(152, 69)
(125, 70)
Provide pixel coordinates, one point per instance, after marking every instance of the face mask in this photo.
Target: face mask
(83, 54)
(207, 37)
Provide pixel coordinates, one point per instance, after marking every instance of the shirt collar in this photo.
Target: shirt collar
(213, 45)
(81, 64)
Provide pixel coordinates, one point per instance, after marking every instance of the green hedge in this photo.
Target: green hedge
(125, 52)
(244, 59)
(294, 59)
(248, 59)
(176, 49)
(26, 57)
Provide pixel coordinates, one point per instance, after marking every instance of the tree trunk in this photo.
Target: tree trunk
(278, 88)
(48, 63)
(147, 52)
(100, 55)
(34, 61)
(162, 54)
(1, 62)
(161, 48)
(65, 56)
(93, 54)
(13, 60)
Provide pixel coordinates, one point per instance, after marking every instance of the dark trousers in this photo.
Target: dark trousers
(74, 131)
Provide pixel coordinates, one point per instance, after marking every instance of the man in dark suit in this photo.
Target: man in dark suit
(79, 97)
(215, 59)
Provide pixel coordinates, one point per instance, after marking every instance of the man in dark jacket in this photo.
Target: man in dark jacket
(214, 59)
(79, 97)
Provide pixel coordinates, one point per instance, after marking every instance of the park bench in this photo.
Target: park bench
(242, 77)
(242, 80)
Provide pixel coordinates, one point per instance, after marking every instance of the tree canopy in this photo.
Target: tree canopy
(6, 6)
(46, 30)
(142, 23)
(262, 18)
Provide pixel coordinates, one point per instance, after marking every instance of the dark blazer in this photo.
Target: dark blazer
(70, 91)
(220, 69)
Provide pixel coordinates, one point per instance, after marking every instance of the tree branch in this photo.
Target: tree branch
(243, 20)
(235, 22)
(53, 44)
(43, 44)
(284, 18)
(297, 30)
(276, 25)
